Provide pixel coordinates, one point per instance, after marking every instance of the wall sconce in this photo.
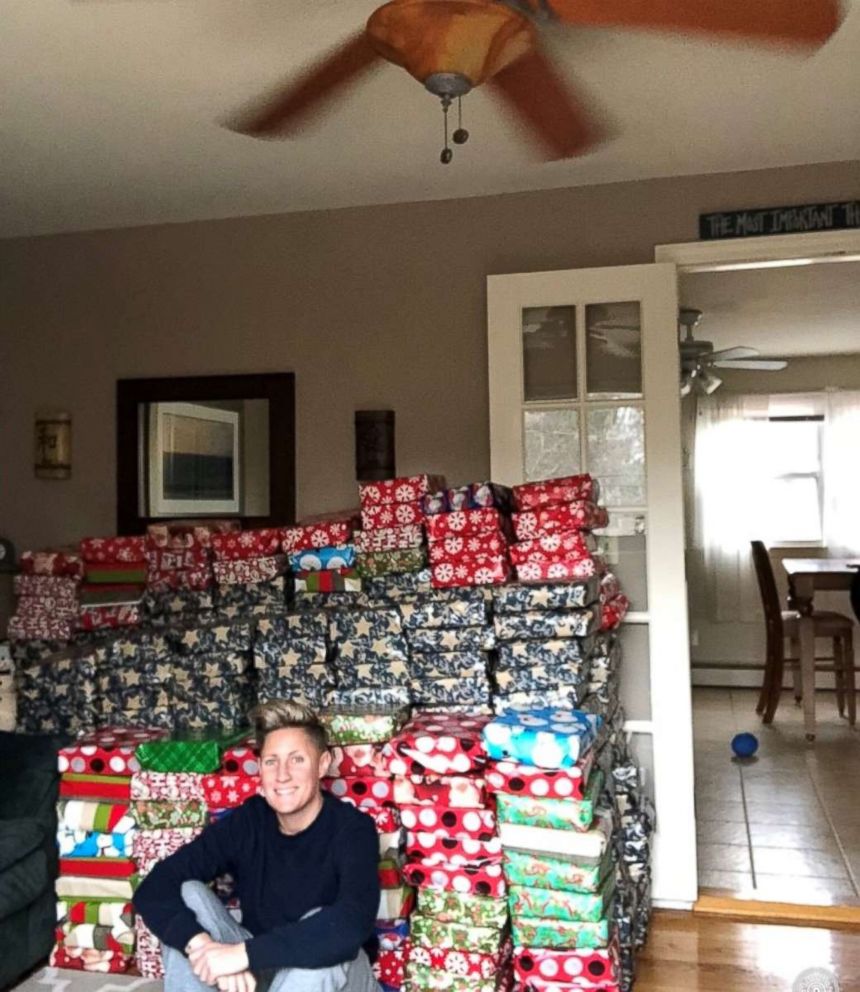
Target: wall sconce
(53, 446)
(374, 445)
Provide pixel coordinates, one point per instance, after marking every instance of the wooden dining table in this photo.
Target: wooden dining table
(806, 576)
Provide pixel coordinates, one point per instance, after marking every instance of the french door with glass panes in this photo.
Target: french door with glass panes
(583, 370)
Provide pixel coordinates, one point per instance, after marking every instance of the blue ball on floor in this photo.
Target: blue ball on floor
(745, 745)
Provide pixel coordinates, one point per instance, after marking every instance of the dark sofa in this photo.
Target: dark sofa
(28, 851)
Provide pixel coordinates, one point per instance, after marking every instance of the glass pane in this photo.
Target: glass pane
(616, 453)
(792, 447)
(549, 353)
(635, 671)
(613, 336)
(623, 545)
(551, 444)
(790, 510)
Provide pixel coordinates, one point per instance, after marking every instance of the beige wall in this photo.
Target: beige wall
(373, 307)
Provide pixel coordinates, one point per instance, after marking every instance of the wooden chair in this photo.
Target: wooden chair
(784, 624)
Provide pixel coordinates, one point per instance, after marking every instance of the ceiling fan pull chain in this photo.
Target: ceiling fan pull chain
(447, 153)
(461, 135)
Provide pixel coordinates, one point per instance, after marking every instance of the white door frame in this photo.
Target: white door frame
(765, 252)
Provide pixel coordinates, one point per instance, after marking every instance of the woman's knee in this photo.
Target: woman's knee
(195, 895)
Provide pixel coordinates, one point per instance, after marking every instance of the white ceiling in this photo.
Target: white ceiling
(110, 111)
(798, 310)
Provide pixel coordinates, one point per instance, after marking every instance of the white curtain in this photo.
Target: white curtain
(841, 472)
(729, 476)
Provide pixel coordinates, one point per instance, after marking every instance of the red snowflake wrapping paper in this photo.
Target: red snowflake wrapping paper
(260, 543)
(483, 880)
(569, 545)
(405, 489)
(248, 570)
(168, 580)
(430, 847)
(389, 539)
(241, 759)
(178, 536)
(106, 617)
(59, 587)
(387, 515)
(585, 968)
(559, 571)
(464, 522)
(610, 587)
(442, 743)
(47, 607)
(480, 570)
(229, 791)
(453, 547)
(613, 611)
(551, 492)
(89, 959)
(356, 760)
(152, 846)
(389, 967)
(176, 560)
(102, 550)
(361, 790)
(147, 954)
(466, 964)
(316, 535)
(529, 780)
(580, 515)
(457, 791)
(386, 819)
(40, 628)
(51, 563)
(477, 824)
(167, 786)
(108, 751)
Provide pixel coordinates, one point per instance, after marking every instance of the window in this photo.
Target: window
(790, 510)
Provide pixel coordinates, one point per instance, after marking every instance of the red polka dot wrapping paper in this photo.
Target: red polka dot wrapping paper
(542, 968)
(316, 535)
(441, 743)
(356, 760)
(550, 492)
(259, 543)
(229, 791)
(110, 549)
(529, 780)
(362, 790)
(241, 759)
(403, 489)
(108, 751)
(457, 791)
(579, 515)
(474, 823)
(486, 880)
(427, 847)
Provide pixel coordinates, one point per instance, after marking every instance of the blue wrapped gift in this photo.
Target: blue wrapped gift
(551, 596)
(433, 639)
(545, 737)
(323, 559)
(537, 624)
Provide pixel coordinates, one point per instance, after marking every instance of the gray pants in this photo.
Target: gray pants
(352, 976)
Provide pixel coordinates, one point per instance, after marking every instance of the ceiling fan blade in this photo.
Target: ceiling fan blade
(543, 101)
(289, 107)
(798, 22)
(753, 364)
(739, 352)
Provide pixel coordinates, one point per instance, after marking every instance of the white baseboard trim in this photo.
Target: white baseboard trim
(747, 678)
(672, 904)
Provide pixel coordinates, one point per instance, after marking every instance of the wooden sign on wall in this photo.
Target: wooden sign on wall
(799, 219)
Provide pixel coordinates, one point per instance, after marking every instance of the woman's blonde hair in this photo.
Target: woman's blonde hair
(281, 714)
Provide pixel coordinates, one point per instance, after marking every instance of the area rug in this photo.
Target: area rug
(64, 980)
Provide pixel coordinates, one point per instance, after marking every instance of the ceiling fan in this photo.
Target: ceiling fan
(452, 46)
(698, 358)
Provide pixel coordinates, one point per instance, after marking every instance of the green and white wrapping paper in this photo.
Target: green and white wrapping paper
(464, 908)
(433, 933)
(532, 869)
(556, 814)
(539, 903)
(559, 933)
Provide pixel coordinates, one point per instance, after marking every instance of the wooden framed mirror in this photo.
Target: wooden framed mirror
(194, 447)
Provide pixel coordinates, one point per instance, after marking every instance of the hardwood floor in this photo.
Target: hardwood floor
(689, 953)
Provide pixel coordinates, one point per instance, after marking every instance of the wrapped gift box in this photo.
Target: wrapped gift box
(591, 844)
(405, 489)
(389, 539)
(330, 580)
(148, 954)
(454, 791)
(294, 626)
(447, 664)
(595, 970)
(396, 697)
(87, 959)
(316, 535)
(557, 596)
(551, 492)
(90, 887)
(554, 546)
(432, 980)
(192, 753)
(456, 907)
(361, 725)
(43, 628)
(540, 678)
(457, 961)
(57, 587)
(579, 515)
(378, 652)
(111, 549)
(108, 750)
(547, 738)
(318, 559)
(160, 560)
(556, 814)
(373, 670)
(429, 847)
(106, 617)
(249, 570)
(540, 870)
(121, 868)
(562, 652)
(560, 933)
(94, 844)
(362, 790)
(469, 609)
(464, 523)
(182, 535)
(107, 914)
(480, 570)
(437, 743)
(436, 641)
(382, 563)
(397, 587)
(67, 563)
(389, 966)
(395, 903)
(549, 624)
(218, 638)
(453, 547)
(517, 779)
(438, 693)
(560, 571)
(387, 515)
(356, 760)
(364, 626)
(427, 932)
(260, 543)
(228, 791)
(152, 814)
(613, 611)
(482, 880)
(93, 816)
(113, 788)
(152, 846)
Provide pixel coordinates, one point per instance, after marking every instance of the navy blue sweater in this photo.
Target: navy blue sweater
(333, 864)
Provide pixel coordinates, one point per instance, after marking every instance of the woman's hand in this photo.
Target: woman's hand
(211, 961)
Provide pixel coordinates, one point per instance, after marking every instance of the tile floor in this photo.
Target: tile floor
(783, 826)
